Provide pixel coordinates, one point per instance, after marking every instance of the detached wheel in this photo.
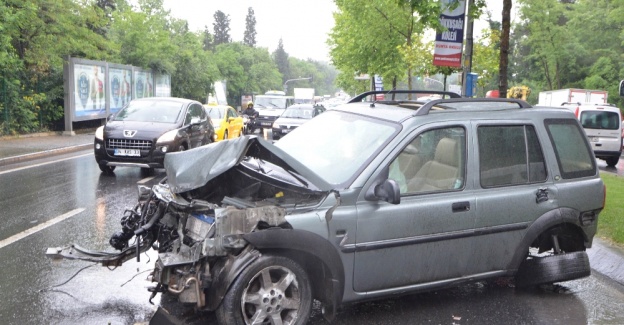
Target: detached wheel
(272, 290)
(106, 169)
(553, 268)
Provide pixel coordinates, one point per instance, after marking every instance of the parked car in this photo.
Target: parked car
(368, 200)
(143, 131)
(293, 117)
(226, 121)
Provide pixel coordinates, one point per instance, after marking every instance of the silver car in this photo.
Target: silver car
(385, 198)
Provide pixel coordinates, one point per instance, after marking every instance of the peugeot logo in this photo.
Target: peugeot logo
(129, 133)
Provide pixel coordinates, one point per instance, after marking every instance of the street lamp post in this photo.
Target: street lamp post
(289, 80)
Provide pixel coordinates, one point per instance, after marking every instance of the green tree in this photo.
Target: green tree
(221, 27)
(195, 70)
(250, 28)
(208, 40)
(281, 59)
(36, 36)
(246, 70)
(144, 36)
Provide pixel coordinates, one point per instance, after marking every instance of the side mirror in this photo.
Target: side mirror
(388, 190)
(621, 88)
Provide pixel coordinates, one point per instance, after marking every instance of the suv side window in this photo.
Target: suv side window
(510, 155)
(434, 161)
(574, 156)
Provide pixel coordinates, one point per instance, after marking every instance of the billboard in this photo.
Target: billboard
(449, 42)
(143, 84)
(89, 89)
(163, 85)
(96, 89)
(120, 81)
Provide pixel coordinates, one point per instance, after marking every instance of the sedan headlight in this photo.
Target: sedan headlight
(276, 126)
(168, 137)
(99, 133)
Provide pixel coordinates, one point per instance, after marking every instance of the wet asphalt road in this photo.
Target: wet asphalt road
(37, 290)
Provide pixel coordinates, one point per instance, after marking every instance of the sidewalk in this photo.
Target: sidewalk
(604, 258)
(38, 145)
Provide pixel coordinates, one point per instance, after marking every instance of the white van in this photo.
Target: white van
(603, 126)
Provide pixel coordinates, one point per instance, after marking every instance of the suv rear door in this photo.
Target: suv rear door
(513, 189)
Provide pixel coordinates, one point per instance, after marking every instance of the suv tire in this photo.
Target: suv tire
(258, 287)
(553, 268)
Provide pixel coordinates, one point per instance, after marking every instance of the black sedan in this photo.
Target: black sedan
(142, 132)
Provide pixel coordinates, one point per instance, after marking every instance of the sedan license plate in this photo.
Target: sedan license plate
(267, 123)
(128, 152)
(284, 131)
(594, 139)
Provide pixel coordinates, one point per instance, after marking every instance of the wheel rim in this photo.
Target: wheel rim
(272, 296)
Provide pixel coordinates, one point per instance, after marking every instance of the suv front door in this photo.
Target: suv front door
(428, 236)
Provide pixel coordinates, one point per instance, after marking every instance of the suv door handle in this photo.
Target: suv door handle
(461, 206)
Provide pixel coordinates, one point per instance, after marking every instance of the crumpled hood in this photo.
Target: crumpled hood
(191, 169)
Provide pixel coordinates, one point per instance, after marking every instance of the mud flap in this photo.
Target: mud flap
(75, 252)
(162, 317)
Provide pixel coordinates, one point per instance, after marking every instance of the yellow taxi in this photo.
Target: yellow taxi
(227, 122)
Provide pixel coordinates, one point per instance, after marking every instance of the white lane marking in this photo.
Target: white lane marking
(42, 164)
(145, 180)
(39, 227)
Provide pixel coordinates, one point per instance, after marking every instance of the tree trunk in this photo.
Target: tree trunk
(504, 50)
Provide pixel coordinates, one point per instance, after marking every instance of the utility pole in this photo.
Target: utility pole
(468, 53)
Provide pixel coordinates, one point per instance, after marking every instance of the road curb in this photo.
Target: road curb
(46, 153)
(607, 260)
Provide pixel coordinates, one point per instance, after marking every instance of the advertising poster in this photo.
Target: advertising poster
(449, 42)
(143, 84)
(120, 81)
(163, 85)
(89, 89)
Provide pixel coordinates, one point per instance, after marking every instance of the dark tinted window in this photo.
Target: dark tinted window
(574, 155)
(510, 155)
(595, 119)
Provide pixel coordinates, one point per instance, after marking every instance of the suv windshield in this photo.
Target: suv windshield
(150, 111)
(270, 102)
(360, 138)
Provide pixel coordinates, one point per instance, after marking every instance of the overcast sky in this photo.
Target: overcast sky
(303, 25)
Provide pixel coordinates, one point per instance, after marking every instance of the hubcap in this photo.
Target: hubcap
(271, 297)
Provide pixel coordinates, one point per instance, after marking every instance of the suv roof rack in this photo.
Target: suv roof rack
(435, 104)
(360, 97)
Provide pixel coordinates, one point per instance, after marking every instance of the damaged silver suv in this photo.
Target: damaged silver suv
(368, 200)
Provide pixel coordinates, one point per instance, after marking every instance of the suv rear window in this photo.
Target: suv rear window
(510, 155)
(574, 156)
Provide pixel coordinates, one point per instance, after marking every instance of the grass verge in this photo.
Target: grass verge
(611, 220)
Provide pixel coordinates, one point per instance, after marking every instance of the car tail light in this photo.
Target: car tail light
(576, 112)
